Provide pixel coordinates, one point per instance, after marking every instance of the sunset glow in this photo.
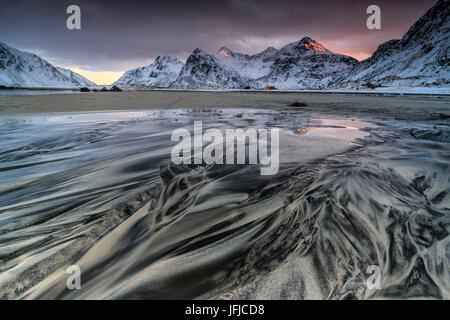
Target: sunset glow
(314, 46)
(99, 77)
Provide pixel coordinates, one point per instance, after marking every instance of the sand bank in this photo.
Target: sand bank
(388, 107)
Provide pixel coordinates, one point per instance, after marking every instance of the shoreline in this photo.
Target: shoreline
(383, 107)
(444, 92)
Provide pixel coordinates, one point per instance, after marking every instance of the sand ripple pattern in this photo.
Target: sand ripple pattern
(226, 232)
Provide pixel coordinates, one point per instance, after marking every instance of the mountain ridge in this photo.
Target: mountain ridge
(421, 58)
(161, 73)
(25, 69)
(271, 67)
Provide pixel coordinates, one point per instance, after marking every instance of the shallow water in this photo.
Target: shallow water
(348, 194)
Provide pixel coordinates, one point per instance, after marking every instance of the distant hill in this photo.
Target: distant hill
(23, 69)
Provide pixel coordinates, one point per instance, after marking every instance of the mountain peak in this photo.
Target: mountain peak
(161, 73)
(434, 21)
(225, 52)
(307, 40)
(303, 46)
(166, 59)
(267, 53)
(269, 50)
(197, 51)
(311, 44)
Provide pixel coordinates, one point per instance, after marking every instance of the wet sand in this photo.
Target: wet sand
(389, 107)
(368, 186)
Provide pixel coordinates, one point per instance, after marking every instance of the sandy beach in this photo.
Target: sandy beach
(87, 180)
(414, 107)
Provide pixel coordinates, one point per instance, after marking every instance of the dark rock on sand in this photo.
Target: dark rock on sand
(297, 104)
(115, 89)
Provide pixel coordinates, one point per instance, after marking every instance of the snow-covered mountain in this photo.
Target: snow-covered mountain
(421, 58)
(305, 64)
(299, 65)
(203, 69)
(23, 69)
(161, 73)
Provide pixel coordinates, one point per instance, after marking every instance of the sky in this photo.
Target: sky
(118, 35)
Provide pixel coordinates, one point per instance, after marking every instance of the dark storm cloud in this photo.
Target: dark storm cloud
(117, 35)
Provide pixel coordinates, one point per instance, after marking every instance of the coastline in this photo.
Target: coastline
(380, 106)
(294, 274)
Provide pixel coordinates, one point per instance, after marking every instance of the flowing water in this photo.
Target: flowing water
(99, 190)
